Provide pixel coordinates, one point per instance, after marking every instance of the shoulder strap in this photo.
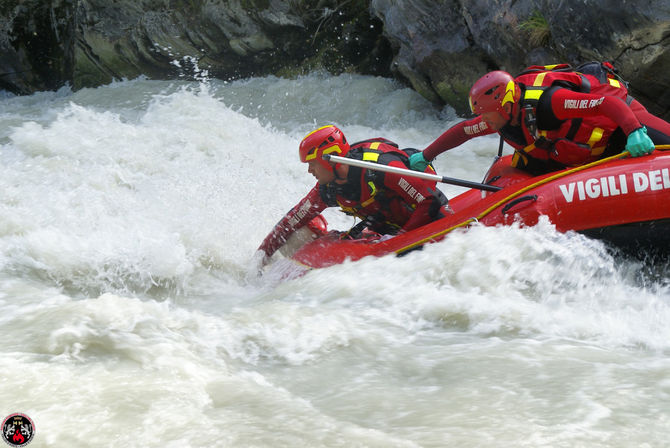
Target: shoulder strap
(375, 140)
(547, 68)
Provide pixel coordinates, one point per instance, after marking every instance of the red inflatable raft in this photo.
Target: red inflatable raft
(624, 201)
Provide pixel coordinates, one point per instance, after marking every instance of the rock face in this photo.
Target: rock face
(46, 43)
(444, 46)
(35, 45)
(438, 46)
(227, 39)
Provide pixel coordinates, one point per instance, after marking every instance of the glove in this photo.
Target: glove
(417, 162)
(639, 143)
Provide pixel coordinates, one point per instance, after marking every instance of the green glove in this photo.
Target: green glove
(417, 162)
(639, 143)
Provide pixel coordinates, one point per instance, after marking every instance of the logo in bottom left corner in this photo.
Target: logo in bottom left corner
(18, 430)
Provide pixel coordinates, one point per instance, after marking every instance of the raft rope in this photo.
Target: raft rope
(518, 193)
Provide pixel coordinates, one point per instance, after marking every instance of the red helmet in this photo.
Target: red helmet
(492, 91)
(325, 140)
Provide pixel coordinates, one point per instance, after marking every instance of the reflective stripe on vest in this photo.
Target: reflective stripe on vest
(368, 156)
(371, 156)
(534, 91)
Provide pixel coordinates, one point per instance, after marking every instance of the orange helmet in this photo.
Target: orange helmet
(325, 140)
(492, 91)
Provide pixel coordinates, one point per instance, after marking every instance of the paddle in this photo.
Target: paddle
(412, 173)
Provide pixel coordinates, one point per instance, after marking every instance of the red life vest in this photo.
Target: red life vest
(365, 196)
(573, 141)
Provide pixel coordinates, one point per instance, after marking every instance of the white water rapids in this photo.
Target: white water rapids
(129, 215)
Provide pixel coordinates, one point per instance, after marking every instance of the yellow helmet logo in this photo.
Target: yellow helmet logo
(509, 93)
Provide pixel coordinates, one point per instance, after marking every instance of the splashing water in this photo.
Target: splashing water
(130, 214)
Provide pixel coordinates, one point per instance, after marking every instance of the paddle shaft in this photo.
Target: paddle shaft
(422, 175)
(412, 173)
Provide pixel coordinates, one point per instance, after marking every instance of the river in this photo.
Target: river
(131, 315)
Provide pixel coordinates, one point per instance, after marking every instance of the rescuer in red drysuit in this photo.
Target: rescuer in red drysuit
(555, 117)
(387, 203)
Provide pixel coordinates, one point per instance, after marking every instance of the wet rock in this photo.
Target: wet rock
(443, 48)
(92, 42)
(439, 48)
(35, 44)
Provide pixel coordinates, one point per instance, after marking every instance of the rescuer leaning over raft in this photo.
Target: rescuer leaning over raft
(555, 117)
(386, 203)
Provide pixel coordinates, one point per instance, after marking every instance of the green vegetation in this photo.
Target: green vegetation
(537, 28)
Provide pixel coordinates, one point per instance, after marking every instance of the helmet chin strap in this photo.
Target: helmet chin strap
(515, 111)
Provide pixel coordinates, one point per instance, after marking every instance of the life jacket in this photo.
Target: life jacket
(364, 194)
(568, 142)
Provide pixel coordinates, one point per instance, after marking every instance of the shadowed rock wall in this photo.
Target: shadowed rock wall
(439, 47)
(443, 46)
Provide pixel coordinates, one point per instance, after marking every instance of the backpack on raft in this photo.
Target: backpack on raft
(604, 72)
